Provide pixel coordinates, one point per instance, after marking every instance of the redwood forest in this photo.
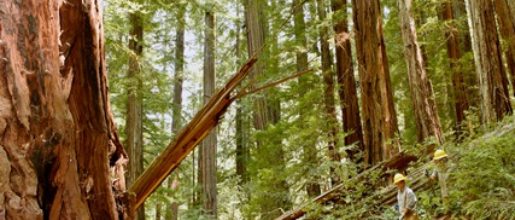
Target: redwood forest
(257, 109)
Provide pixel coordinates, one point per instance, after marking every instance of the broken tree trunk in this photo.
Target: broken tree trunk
(59, 142)
(191, 135)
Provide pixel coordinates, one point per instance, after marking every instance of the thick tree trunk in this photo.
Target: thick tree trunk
(461, 103)
(207, 153)
(346, 81)
(506, 21)
(309, 149)
(134, 123)
(495, 102)
(426, 115)
(378, 113)
(177, 90)
(59, 142)
(330, 110)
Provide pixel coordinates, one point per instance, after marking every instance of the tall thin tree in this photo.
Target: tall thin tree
(134, 124)
(207, 153)
(309, 148)
(329, 105)
(266, 110)
(178, 78)
(461, 103)
(346, 80)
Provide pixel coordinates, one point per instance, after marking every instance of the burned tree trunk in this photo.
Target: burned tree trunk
(493, 83)
(378, 113)
(346, 81)
(59, 141)
(426, 115)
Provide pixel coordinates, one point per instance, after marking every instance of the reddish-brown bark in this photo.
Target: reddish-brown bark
(346, 81)
(426, 115)
(461, 103)
(506, 20)
(329, 105)
(57, 134)
(495, 102)
(378, 110)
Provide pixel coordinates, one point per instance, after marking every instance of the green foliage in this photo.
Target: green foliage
(277, 168)
(483, 181)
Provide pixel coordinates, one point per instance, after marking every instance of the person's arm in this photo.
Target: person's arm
(411, 201)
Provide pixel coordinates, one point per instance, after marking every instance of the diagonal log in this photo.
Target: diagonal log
(187, 139)
(399, 161)
(387, 196)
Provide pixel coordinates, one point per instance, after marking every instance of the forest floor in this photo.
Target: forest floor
(481, 184)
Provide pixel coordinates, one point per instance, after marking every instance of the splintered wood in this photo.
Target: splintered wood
(191, 135)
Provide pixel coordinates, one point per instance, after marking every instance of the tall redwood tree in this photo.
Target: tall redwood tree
(378, 110)
(59, 142)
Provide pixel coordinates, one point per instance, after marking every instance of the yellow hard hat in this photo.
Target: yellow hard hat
(398, 177)
(439, 154)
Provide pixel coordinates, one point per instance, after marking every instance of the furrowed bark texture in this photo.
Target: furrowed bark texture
(346, 81)
(58, 143)
(493, 83)
(506, 20)
(426, 115)
(378, 113)
(207, 152)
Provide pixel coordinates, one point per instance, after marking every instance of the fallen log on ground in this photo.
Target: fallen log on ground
(191, 135)
(387, 196)
(400, 160)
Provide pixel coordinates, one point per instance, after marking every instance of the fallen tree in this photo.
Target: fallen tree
(187, 139)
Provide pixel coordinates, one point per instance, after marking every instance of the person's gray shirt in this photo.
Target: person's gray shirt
(406, 199)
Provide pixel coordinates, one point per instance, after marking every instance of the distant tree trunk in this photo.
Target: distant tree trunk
(346, 81)
(493, 83)
(177, 91)
(59, 143)
(378, 113)
(134, 123)
(506, 21)
(310, 151)
(158, 211)
(328, 76)
(426, 115)
(242, 151)
(207, 153)
(266, 111)
(459, 88)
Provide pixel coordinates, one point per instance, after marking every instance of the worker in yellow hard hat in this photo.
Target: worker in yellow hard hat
(441, 171)
(406, 199)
